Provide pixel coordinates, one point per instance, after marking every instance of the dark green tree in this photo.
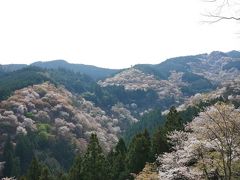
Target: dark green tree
(173, 120)
(24, 150)
(149, 121)
(34, 171)
(75, 171)
(117, 159)
(16, 167)
(62, 176)
(11, 166)
(45, 174)
(121, 147)
(138, 152)
(63, 148)
(159, 143)
(94, 164)
(148, 139)
(23, 178)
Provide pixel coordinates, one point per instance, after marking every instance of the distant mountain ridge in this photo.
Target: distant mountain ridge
(173, 80)
(192, 63)
(11, 67)
(181, 77)
(161, 70)
(57, 105)
(94, 72)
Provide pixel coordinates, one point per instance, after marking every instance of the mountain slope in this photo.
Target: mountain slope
(92, 71)
(75, 82)
(178, 78)
(69, 116)
(11, 67)
(59, 104)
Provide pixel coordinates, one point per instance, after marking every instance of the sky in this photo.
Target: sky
(109, 33)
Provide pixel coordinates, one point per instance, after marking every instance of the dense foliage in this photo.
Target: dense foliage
(9, 82)
(37, 156)
(234, 64)
(197, 84)
(149, 121)
(31, 146)
(137, 113)
(75, 82)
(30, 160)
(92, 71)
(104, 97)
(163, 70)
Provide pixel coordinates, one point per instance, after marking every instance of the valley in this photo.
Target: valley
(54, 112)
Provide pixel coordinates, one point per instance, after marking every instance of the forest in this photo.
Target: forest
(27, 160)
(39, 156)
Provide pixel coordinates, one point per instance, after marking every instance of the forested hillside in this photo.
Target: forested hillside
(59, 121)
(94, 72)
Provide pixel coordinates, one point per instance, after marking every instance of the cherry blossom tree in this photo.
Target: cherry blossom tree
(208, 148)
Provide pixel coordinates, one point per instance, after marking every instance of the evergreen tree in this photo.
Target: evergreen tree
(121, 147)
(173, 120)
(62, 176)
(138, 153)
(45, 175)
(75, 171)
(95, 166)
(117, 160)
(11, 166)
(23, 178)
(24, 150)
(34, 171)
(63, 148)
(159, 143)
(16, 167)
(148, 139)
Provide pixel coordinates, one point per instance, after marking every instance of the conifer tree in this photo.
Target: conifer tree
(121, 147)
(117, 160)
(138, 153)
(23, 178)
(45, 174)
(11, 166)
(24, 150)
(75, 171)
(16, 167)
(173, 121)
(34, 171)
(148, 139)
(159, 143)
(62, 176)
(94, 164)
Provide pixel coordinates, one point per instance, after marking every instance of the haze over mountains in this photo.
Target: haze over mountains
(100, 73)
(92, 71)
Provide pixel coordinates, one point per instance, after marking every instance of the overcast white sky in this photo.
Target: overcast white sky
(109, 33)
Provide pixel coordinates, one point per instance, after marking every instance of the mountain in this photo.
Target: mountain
(92, 71)
(11, 67)
(66, 114)
(177, 79)
(30, 75)
(55, 106)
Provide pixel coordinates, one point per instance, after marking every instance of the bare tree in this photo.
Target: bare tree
(223, 10)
